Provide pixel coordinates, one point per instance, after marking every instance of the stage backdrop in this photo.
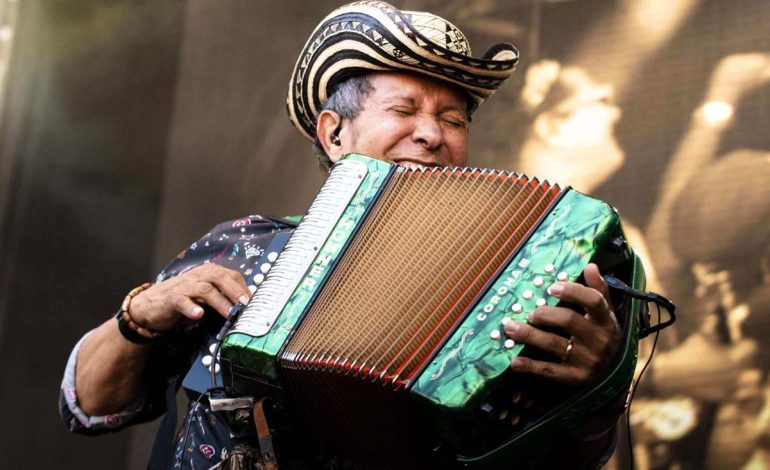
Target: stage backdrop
(129, 128)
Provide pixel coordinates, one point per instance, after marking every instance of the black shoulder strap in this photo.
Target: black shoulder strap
(163, 448)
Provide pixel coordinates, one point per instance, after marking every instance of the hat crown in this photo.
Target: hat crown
(439, 31)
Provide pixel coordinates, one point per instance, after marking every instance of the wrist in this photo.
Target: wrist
(129, 328)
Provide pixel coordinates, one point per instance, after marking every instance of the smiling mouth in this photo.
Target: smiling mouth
(416, 166)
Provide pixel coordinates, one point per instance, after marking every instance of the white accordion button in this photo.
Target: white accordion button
(206, 360)
(549, 268)
(252, 288)
(517, 308)
(258, 279)
(523, 263)
(272, 256)
(217, 368)
(212, 347)
(495, 334)
(562, 276)
(509, 343)
(540, 302)
(528, 294)
(538, 281)
(265, 267)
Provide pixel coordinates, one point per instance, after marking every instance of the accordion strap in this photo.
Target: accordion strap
(264, 436)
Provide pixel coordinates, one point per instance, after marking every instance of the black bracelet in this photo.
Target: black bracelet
(128, 333)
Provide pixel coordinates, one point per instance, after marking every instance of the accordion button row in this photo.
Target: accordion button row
(208, 359)
(264, 268)
(496, 335)
(528, 295)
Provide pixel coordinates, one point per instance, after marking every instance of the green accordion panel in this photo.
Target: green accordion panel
(473, 362)
(257, 354)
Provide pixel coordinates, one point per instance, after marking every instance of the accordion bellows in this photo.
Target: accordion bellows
(380, 323)
(352, 326)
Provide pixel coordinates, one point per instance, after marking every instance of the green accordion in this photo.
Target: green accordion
(379, 325)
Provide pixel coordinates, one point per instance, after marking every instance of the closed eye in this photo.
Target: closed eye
(403, 111)
(455, 122)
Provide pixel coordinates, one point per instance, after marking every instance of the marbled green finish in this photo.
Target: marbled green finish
(582, 405)
(463, 374)
(258, 354)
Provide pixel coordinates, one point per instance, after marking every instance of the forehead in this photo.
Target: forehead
(394, 86)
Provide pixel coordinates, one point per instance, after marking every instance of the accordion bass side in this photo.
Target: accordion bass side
(379, 325)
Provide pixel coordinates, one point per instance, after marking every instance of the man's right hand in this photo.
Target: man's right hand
(110, 370)
(162, 306)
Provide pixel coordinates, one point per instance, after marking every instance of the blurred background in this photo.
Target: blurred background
(129, 128)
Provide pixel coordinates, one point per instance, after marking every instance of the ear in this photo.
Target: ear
(328, 122)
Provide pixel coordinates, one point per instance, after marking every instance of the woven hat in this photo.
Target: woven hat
(364, 37)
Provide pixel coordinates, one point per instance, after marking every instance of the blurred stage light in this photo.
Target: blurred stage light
(716, 113)
(6, 32)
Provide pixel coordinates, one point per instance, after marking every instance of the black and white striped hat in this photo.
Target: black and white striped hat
(373, 36)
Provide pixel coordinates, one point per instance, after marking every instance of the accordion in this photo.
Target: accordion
(379, 325)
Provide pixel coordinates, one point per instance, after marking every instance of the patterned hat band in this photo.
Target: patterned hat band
(371, 36)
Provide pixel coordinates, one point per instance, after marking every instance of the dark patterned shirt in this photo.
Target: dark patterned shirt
(206, 436)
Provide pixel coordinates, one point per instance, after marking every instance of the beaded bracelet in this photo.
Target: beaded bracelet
(130, 329)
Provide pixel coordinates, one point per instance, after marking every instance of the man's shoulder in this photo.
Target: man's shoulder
(255, 223)
(233, 244)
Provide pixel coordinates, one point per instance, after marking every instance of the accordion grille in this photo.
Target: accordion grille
(431, 243)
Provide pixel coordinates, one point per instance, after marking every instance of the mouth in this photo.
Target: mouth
(413, 165)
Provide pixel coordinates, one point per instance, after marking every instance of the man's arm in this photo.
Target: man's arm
(109, 374)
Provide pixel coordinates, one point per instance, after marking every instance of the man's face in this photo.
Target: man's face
(409, 120)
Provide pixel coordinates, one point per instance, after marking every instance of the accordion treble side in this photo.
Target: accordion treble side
(386, 305)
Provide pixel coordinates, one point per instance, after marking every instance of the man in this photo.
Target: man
(395, 85)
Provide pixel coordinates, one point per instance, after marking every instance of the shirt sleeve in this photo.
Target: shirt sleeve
(75, 418)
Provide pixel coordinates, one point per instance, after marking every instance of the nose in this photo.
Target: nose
(427, 132)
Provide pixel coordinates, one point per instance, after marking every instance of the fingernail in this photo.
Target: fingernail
(516, 363)
(510, 325)
(198, 311)
(555, 289)
(513, 326)
(243, 299)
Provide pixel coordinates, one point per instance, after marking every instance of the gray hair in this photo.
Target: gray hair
(348, 102)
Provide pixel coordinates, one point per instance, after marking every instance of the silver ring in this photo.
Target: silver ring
(568, 350)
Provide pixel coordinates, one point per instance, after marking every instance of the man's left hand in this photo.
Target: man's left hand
(593, 335)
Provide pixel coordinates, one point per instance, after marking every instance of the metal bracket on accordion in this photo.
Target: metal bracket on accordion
(231, 404)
